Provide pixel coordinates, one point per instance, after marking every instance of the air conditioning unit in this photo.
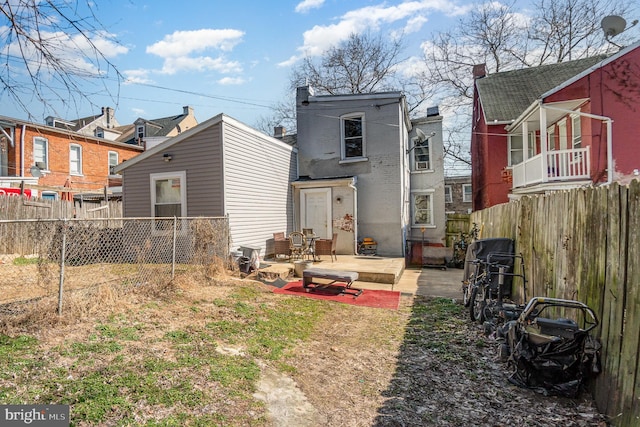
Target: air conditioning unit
(422, 165)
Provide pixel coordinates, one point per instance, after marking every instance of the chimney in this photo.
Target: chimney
(109, 113)
(279, 131)
(479, 71)
(302, 95)
(187, 111)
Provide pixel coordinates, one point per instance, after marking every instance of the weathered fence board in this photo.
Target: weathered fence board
(584, 244)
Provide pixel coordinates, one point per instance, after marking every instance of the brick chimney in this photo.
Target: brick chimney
(479, 71)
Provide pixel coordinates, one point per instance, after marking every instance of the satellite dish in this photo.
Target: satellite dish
(612, 25)
(421, 136)
(35, 171)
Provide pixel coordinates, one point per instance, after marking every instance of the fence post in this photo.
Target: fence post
(62, 256)
(173, 250)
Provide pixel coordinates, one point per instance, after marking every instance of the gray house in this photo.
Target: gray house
(219, 167)
(358, 171)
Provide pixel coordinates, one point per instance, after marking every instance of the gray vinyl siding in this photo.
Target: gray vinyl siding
(199, 156)
(258, 195)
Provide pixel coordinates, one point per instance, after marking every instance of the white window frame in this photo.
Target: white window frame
(562, 134)
(576, 137)
(112, 155)
(448, 194)
(78, 162)
(419, 150)
(466, 199)
(45, 150)
(343, 138)
(182, 177)
(431, 223)
(532, 139)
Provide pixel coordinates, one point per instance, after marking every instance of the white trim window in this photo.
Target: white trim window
(448, 195)
(41, 153)
(576, 131)
(168, 197)
(422, 156)
(467, 193)
(352, 137)
(113, 162)
(75, 159)
(516, 148)
(422, 208)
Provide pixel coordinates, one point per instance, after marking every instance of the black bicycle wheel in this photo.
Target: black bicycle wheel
(477, 304)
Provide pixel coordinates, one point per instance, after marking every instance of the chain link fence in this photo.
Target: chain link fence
(52, 258)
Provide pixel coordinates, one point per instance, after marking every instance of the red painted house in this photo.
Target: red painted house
(555, 127)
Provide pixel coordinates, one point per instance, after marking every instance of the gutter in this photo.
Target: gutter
(24, 127)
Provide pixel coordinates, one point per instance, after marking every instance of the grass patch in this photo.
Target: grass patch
(129, 369)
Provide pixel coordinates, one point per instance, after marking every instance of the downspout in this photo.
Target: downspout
(24, 127)
(609, 122)
(355, 217)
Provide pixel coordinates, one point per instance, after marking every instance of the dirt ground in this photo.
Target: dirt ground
(360, 371)
(373, 367)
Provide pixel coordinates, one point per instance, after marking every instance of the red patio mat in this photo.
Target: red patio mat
(368, 298)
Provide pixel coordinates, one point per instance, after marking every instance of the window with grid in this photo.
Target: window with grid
(353, 138)
(422, 209)
(467, 193)
(422, 157)
(41, 153)
(113, 161)
(448, 197)
(75, 159)
(168, 196)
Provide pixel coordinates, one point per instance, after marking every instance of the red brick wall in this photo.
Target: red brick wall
(95, 158)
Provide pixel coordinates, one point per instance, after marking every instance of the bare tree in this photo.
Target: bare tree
(361, 64)
(503, 39)
(54, 50)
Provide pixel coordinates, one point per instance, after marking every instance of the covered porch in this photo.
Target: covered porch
(555, 150)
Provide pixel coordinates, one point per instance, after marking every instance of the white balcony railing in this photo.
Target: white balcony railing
(561, 165)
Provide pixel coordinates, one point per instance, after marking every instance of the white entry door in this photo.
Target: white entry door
(315, 211)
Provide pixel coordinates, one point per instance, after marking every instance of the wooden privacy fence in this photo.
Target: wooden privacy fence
(584, 244)
(16, 207)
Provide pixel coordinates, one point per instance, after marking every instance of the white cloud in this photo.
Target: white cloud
(306, 5)
(136, 76)
(182, 43)
(74, 53)
(229, 81)
(176, 50)
(371, 18)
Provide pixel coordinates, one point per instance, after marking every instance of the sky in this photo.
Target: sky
(232, 57)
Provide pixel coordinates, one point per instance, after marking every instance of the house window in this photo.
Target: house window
(41, 153)
(353, 138)
(448, 197)
(562, 134)
(576, 131)
(113, 161)
(467, 193)
(168, 197)
(422, 209)
(516, 148)
(422, 155)
(75, 159)
(140, 132)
